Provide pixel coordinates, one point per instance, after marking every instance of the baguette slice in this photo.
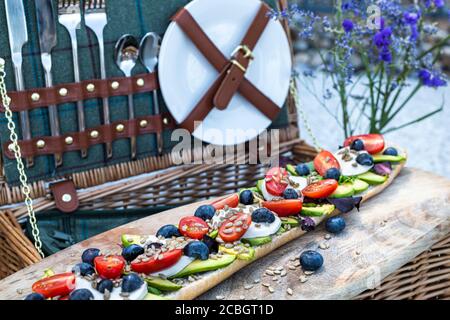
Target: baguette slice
(213, 278)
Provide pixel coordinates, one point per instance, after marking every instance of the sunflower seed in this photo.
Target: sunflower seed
(191, 279)
(291, 267)
(283, 273)
(124, 294)
(256, 281)
(229, 225)
(106, 295)
(229, 245)
(277, 272)
(238, 229)
(248, 286)
(324, 246)
(303, 279)
(308, 273)
(242, 298)
(227, 231)
(271, 290)
(265, 284)
(220, 297)
(327, 236)
(275, 278)
(289, 291)
(269, 272)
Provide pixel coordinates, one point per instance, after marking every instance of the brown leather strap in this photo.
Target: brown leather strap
(191, 28)
(65, 195)
(99, 135)
(241, 59)
(88, 89)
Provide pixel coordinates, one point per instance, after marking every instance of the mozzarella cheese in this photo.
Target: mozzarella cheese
(267, 196)
(138, 294)
(177, 267)
(349, 166)
(262, 229)
(298, 183)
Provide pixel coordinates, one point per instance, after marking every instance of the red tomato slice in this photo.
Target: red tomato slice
(109, 267)
(234, 227)
(276, 181)
(284, 208)
(373, 142)
(193, 227)
(231, 201)
(320, 189)
(155, 264)
(55, 286)
(325, 160)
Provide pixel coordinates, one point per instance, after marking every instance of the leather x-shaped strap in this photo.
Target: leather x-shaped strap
(231, 77)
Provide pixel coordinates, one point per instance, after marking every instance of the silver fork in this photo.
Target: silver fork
(96, 20)
(69, 15)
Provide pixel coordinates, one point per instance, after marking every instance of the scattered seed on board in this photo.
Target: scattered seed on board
(324, 246)
(220, 297)
(289, 291)
(308, 273)
(277, 272)
(303, 279)
(292, 267)
(19, 291)
(275, 278)
(242, 298)
(327, 236)
(271, 290)
(256, 281)
(248, 286)
(357, 252)
(297, 264)
(293, 259)
(265, 284)
(191, 279)
(269, 272)
(283, 273)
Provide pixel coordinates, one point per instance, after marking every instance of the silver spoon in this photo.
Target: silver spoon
(149, 50)
(126, 56)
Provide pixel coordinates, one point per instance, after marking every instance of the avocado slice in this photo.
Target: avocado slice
(360, 186)
(162, 284)
(291, 169)
(293, 222)
(372, 178)
(259, 185)
(386, 158)
(318, 211)
(213, 234)
(154, 290)
(129, 239)
(199, 266)
(343, 191)
(255, 242)
(151, 296)
(249, 255)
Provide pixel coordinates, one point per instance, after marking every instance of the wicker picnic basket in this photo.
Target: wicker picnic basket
(154, 181)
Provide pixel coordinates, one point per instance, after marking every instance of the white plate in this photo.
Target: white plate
(185, 74)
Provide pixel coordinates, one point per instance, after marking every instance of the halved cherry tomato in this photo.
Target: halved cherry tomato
(284, 208)
(231, 201)
(109, 267)
(234, 227)
(193, 227)
(276, 181)
(157, 263)
(320, 189)
(325, 160)
(373, 142)
(55, 286)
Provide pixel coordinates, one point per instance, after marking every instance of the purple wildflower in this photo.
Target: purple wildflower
(437, 3)
(383, 37)
(431, 79)
(385, 55)
(411, 17)
(347, 24)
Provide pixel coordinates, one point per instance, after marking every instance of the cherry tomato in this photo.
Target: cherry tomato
(157, 263)
(55, 286)
(109, 267)
(320, 189)
(276, 181)
(231, 201)
(234, 227)
(193, 227)
(284, 208)
(373, 142)
(325, 160)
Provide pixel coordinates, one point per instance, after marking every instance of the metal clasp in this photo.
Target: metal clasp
(248, 54)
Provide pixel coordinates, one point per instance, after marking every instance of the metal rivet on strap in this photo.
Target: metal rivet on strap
(90, 87)
(140, 82)
(40, 144)
(120, 128)
(35, 96)
(66, 197)
(115, 85)
(63, 92)
(166, 121)
(94, 134)
(11, 147)
(143, 123)
(69, 140)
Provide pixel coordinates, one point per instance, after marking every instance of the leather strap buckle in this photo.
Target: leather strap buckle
(248, 54)
(237, 64)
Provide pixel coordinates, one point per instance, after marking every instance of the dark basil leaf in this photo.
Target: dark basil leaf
(345, 205)
(383, 169)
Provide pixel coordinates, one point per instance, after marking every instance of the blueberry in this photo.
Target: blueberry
(168, 231)
(83, 269)
(132, 252)
(311, 260)
(302, 169)
(290, 193)
(197, 250)
(35, 296)
(357, 145)
(333, 173)
(246, 197)
(263, 215)
(364, 159)
(335, 225)
(131, 282)
(212, 244)
(105, 284)
(390, 152)
(81, 294)
(205, 212)
(89, 255)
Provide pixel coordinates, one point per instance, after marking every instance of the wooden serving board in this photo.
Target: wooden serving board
(391, 229)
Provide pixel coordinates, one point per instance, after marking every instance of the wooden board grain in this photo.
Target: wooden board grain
(391, 229)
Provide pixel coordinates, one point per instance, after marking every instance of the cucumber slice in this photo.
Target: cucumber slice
(372, 178)
(386, 158)
(162, 284)
(290, 221)
(343, 191)
(360, 186)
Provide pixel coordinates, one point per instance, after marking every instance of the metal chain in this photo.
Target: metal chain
(294, 94)
(15, 148)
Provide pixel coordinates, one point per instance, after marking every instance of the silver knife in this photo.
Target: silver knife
(18, 36)
(46, 24)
